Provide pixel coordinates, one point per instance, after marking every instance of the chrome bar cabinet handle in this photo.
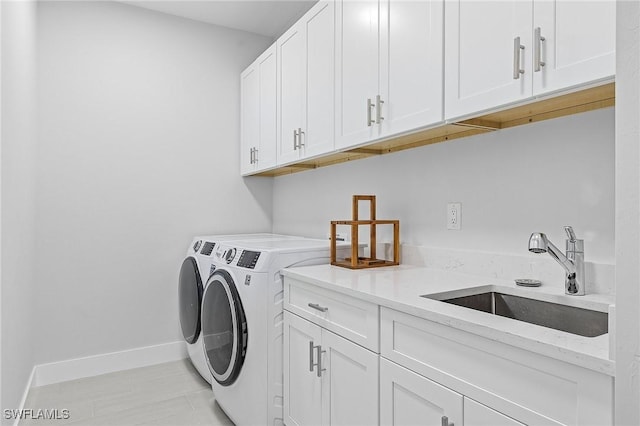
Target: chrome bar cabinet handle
(318, 307)
(537, 52)
(319, 353)
(517, 48)
(379, 103)
(295, 139)
(255, 155)
(300, 133)
(369, 106)
(445, 421)
(311, 363)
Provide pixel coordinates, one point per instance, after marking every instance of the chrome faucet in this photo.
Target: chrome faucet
(573, 262)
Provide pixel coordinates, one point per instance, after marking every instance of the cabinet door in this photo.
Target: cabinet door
(476, 414)
(320, 69)
(356, 71)
(266, 155)
(579, 42)
(250, 117)
(411, 42)
(302, 386)
(481, 54)
(349, 382)
(407, 398)
(291, 87)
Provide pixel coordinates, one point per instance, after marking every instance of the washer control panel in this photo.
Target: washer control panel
(248, 259)
(207, 248)
(237, 256)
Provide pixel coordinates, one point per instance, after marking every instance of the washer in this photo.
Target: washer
(242, 324)
(194, 272)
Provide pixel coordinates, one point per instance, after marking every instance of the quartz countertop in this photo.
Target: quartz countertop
(400, 288)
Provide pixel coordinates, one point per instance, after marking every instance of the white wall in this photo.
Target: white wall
(138, 152)
(18, 199)
(627, 386)
(538, 177)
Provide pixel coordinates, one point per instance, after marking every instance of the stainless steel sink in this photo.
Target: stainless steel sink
(580, 321)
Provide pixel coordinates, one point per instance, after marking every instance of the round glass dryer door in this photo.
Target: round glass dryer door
(190, 299)
(224, 328)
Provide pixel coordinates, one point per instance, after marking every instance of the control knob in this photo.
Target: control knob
(231, 253)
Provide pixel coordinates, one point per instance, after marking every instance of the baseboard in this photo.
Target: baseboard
(55, 372)
(23, 401)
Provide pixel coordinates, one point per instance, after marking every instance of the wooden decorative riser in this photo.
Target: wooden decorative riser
(364, 263)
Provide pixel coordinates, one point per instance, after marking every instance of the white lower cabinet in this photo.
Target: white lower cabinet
(407, 398)
(509, 382)
(328, 380)
(349, 382)
(302, 387)
(476, 414)
(406, 370)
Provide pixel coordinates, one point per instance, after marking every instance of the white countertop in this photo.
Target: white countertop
(400, 288)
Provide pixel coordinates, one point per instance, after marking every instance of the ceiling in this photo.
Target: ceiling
(268, 18)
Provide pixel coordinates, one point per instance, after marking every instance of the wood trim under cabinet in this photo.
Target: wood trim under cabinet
(579, 101)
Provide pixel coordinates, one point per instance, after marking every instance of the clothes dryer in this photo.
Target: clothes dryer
(194, 272)
(242, 324)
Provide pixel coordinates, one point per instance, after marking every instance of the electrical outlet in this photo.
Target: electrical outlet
(454, 212)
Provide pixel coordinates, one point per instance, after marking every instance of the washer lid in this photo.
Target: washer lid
(190, 299)
(224, 328)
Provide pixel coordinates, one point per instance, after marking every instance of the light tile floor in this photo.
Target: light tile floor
(165, 394)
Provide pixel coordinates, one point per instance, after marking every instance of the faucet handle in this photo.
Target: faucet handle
(573, 244)
(570, 233)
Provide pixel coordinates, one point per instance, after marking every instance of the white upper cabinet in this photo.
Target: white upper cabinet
(258, 114)
(306, 55)
(575, 42)
(320, 31)
(249, 117)
(353, 72)
(388, 68)
(498, 53)
(487, 54)
(357, 27)
(266, 156)
(291, 87)
(411, 43)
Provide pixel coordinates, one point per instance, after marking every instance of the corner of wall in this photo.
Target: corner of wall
(627, 227)
(18, 148)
